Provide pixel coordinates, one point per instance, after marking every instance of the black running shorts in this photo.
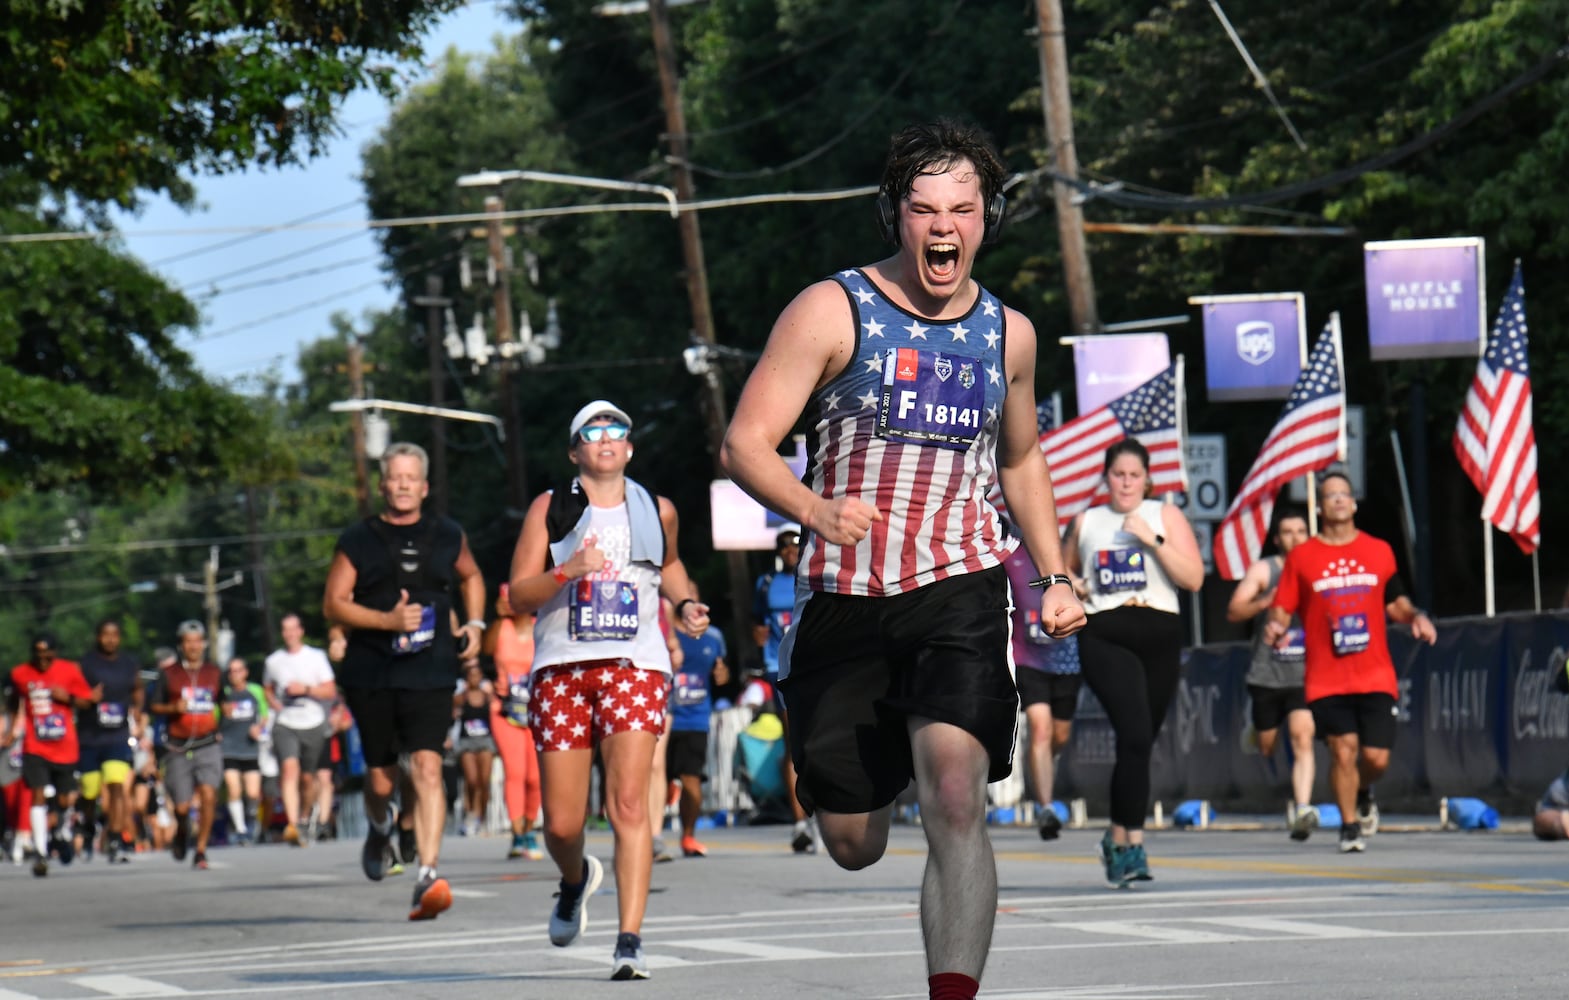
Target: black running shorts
(1059, 692)
(686, 752)
(1372, 717)
(862, 666)
(397, 720)
(1271, 706)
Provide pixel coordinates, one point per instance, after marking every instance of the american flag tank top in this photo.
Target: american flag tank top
(910, 427)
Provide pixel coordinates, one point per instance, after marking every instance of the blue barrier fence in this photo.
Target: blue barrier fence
(1478, 717)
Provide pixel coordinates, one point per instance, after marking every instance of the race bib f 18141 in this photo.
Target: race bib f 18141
(931, 398)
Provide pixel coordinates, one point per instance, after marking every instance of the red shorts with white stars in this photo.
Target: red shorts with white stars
(576, 705)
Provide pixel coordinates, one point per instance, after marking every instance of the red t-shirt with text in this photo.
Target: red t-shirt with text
(1338, 592)
(51, 725)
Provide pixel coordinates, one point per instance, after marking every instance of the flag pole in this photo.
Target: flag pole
(1536, 577)
(1487, 560)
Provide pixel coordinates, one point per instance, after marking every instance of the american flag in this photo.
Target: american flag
(1153, 413)
(1494, 439)
(1310, 434)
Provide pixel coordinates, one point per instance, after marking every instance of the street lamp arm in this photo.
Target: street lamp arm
(350, 405)
(495, 178)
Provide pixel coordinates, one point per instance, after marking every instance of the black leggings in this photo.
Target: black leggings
(1131, 658)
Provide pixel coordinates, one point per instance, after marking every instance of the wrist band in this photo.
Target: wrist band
(560, 576)
(477, 622)
(1051, 580)
(680, 605)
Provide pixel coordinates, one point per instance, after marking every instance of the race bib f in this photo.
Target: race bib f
(111, 715)
(931, 398)
(1349, 634)
(49, 728)
(476, 727)
(1292, 647)
(514, 708)
(603, 609)
(198, 700)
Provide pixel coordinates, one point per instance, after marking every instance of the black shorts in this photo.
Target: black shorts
(1059, 692)
(1372, 717)
(860, 667)
(1272, 705)
(40, 774)
(90, 757)
(397, 720)
(243, 765)
(686, 752)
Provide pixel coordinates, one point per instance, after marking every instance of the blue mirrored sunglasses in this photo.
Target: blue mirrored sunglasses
(615, 432)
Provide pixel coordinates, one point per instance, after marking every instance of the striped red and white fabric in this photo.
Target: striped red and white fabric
(1495, 440)
(1309, 436)
(1076, 451)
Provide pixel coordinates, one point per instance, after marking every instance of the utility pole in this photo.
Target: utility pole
(258, 562)
(357, 423)
(209, 588)
(517, 480)
(1058, 107)
(434, 305)
(717, 413)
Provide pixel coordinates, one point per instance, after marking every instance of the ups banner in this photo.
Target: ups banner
(1478, 716)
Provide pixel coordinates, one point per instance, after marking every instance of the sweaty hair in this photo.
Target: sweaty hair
(1289, 511)
(936, 146)
(1323, 481)
(1127, 446)
(400, 449)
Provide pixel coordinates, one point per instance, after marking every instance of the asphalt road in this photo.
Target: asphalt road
(1231, 915)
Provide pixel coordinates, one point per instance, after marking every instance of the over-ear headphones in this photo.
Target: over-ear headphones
(888, 217)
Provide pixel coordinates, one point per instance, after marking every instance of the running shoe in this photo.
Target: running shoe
(629, 961)
(112, 851)
(182, 837)
(531, 848)
(691, 847)
(1135, 865)
(432, 897)
(408, 846)
(65, 850)
(199, 862)
(87, 850)
(373, 856)
(1047, 823)
(40, 868)
(1351, 839)
(661, 851)
(569, 917)
(1304, 820)
(1367, 812)
(516, 850)
(803, 842)
(291, 836)
(1107, 852)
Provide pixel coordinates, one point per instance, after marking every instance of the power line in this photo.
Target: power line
(1258, 76)
(337, 265)
(170, 543)
(281, 258)
(225, 244)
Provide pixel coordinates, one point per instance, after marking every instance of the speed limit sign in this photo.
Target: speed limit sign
(1206, 496)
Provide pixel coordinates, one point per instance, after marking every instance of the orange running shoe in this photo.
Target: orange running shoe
(692, 848)
(432, 896)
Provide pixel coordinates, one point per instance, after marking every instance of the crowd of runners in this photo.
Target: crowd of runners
(906, 623)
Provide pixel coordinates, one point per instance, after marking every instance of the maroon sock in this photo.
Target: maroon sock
(952, 986)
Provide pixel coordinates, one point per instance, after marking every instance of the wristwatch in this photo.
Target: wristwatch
(1160, 540)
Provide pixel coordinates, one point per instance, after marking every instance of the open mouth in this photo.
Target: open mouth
(942, 259)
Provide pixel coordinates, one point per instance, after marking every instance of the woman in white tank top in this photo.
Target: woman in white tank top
(1129, 557)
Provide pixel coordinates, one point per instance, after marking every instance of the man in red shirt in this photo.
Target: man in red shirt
(46, 692)
(1342, 584)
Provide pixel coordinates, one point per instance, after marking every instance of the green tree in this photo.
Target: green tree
(106, 99)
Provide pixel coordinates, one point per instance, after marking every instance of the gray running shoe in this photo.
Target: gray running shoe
(629, 962)
(569, 917)
(1304, 820)
(373, 856)
(1047, 823)
(1367, 814)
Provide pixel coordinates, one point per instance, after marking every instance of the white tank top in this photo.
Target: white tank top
(609, 613)
(1116, 566)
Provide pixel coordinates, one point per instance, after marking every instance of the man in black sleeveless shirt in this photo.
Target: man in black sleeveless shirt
(391, 583)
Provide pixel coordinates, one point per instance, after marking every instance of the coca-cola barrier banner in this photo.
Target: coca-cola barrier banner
(1478, 716)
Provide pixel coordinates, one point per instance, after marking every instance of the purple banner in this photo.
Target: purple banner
(1424, 298)
(1109, 366)
(1253, 344)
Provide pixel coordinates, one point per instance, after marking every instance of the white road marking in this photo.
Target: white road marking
(1155, 932)
(1293, 928)
(126, 986)
(6, 994)
(752, 949)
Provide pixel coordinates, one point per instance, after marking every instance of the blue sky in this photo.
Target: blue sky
(247, 330)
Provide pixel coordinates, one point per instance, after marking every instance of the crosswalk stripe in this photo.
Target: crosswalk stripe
(126, 986)
(1154, 932)
(754, 949)
(1295, 928)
